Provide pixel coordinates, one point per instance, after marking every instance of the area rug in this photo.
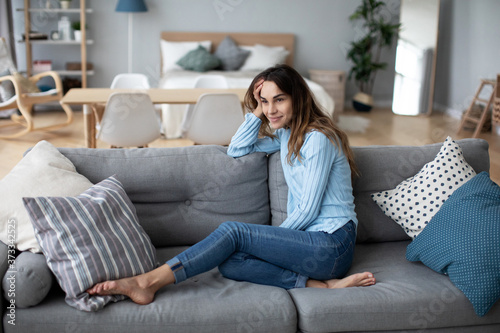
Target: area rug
(353, 124)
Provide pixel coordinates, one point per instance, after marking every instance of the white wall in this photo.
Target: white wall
(469, 50)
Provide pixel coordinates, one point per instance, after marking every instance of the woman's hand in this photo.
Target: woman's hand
(256, 94)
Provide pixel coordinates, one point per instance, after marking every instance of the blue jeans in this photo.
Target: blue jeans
(269, 255)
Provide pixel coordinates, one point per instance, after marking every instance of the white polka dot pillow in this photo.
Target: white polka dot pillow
(417, 199)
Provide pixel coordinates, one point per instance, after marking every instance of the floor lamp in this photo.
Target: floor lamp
(130, 6)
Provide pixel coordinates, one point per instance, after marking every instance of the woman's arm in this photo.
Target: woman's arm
(308, 191)
(246, 140)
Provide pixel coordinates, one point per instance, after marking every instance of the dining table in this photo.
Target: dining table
(94, 100)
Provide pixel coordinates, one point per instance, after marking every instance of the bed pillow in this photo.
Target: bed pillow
(199, 60)
(231, 55)
(463, 241)
(262, 57)
(43, 171)
(417, 199)
(32, 278)
(91, 238)
(171, 52)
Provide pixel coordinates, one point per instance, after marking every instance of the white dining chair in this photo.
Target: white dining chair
(215, 119)
(135, 81)
(211, 81)
(129, 120)
(130, 81)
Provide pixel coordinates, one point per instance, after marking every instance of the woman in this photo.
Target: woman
(314, 246)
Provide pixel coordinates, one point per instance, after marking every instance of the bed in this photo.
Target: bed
(241, 57)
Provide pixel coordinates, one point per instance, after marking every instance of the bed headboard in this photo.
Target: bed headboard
(268, 39)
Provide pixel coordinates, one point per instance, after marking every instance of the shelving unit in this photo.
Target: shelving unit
(82, 11)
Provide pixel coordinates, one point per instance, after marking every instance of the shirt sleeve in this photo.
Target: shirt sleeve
(246, 140)
(318, 155)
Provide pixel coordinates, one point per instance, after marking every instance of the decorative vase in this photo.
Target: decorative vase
(362, 102)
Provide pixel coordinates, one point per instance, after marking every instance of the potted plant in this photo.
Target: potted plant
(365, 52)
(65, 3)
(77, 30)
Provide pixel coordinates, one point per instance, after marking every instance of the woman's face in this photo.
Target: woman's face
(276, 105)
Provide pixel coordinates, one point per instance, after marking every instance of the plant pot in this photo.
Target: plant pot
(64, 4)
(362, 102)
(78, 35)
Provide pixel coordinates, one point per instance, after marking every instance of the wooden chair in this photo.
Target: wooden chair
(24, 100)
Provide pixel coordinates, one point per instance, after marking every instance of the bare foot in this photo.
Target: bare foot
(130, 287)
(356, 280)
(141, 288)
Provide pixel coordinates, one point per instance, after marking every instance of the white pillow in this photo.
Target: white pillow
(171, 52)
(262, 57)
(414, 202)
(44, 171)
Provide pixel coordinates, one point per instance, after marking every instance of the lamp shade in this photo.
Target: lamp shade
(131, 6)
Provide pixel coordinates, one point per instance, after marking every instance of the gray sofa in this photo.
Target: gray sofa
(182, 194)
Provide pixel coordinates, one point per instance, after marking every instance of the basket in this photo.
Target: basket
(476, 112)
(496, 111)
(495, 117)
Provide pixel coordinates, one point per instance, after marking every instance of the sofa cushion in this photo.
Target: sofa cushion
(384, 167)
(28, 281)
(6, 87)
(43, 171)
(183, 194)
(278, 190)
(381, 167)
(417, 199)
(408, 296)
(91, 238)
(463, 241)
(205, 303)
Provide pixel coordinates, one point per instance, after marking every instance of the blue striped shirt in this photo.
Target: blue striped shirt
(319, 186)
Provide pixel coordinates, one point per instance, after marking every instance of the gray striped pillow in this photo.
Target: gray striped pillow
(91, 238)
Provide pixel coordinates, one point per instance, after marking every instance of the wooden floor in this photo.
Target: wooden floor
(385, 129)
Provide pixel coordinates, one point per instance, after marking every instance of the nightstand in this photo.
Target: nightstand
(334, 84)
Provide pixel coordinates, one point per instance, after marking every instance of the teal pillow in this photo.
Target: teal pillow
(463, 241)
(199, 60)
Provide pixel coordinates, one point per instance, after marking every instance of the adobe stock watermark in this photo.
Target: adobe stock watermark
(222, 7)
(264, 311)
(426, 315)
(12, 270)
(43, 18)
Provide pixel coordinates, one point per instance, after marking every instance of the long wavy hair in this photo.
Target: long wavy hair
(306, 113)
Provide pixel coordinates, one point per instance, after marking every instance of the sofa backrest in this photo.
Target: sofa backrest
(382, 168)
(182, 194)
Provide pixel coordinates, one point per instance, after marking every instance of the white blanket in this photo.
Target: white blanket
(173, 114)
